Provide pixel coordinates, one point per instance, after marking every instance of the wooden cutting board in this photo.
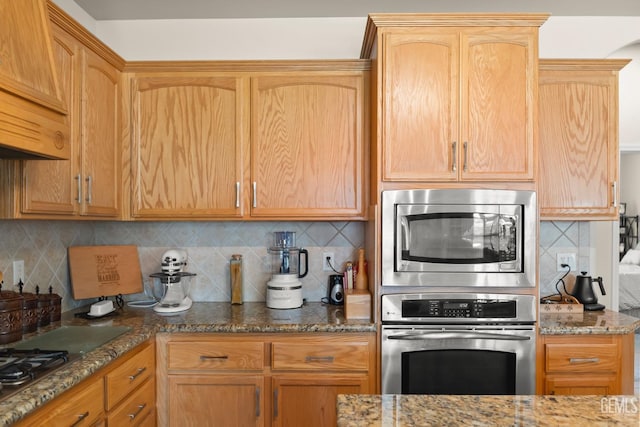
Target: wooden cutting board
(98, 271)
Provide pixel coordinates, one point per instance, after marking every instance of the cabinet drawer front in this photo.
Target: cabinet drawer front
(125, 378)
(136, 408)
(82, 409)
(216, 355)
(582, 357)
(318, 356)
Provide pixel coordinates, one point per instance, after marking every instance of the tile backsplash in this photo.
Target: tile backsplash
(43, 247)
(209, 245)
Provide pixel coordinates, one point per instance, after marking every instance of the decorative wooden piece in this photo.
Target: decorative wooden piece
(98, 271)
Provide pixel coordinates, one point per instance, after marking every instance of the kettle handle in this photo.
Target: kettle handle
(306, 263)
(599, 280)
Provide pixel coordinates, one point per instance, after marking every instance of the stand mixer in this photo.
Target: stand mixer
(176, 283)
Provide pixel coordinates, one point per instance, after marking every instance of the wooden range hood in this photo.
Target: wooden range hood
(33, 118)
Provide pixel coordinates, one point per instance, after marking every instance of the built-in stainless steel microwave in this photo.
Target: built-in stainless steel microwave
(459, 237)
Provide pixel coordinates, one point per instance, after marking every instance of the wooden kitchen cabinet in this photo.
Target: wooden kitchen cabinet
(87, 185)
(585, 364)
(308, 145)
(456, 96)
(122, 393)
(187, 145)
(248, 141)
(578, 176)
(261, 379)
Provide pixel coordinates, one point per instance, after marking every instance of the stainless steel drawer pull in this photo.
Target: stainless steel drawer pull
(81, 417)
(584, 360)
(203, 357)
(614, 189)
(137, 374)
(140, 409)
(312, 359)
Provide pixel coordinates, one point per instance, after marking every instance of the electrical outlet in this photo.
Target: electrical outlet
(566, 258)
(18, 271)
(325, 264)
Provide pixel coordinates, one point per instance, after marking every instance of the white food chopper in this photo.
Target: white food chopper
(284, 290)
(175, 282)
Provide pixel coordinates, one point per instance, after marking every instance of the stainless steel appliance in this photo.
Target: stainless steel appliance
(459, 237)
(19, 368)
(336, 289)
(463, 343)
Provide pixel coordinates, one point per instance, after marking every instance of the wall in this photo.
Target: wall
(43, 246)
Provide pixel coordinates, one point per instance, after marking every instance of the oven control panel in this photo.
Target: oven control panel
(458, 308)
(473, 308)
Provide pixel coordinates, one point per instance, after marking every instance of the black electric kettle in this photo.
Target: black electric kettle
(583, 291)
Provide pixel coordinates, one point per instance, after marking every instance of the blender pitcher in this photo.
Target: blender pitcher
(286, 257)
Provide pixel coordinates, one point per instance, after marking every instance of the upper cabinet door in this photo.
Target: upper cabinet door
(498, 104)
(187, 159)
(307, 145)
(50, 187)
(420, 81)
(101, 160)
(579, 139)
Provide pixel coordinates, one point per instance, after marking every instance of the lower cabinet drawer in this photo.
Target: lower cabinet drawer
(588, 358)
(84, 408)
(137, 408)
(320, 356)
(126, 377)
(215, 355)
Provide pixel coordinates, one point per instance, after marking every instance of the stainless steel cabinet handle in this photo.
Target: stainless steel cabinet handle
(81, 417)
(255, 195)
(140, 409)
(257, 402)
(79, 182)
(137, 374)
(275, 403)
(312, 359)
(614, 188)
(454, 156)
(584, 360)
(203, 357)
(465, 149)
(237, 194)
(89, 188)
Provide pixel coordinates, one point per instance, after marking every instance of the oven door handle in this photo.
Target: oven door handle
(458, 335)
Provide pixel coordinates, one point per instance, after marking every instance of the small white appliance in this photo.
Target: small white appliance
(175, 282)
(284, 290)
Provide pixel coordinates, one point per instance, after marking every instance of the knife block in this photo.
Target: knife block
(357, 304)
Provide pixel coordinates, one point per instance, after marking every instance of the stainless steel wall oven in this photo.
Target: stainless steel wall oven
(464, 343)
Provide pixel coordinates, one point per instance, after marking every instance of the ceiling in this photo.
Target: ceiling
(228, 9)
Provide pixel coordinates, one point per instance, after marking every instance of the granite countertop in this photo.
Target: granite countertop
(587, 323)
(144, 323)
(445, 410)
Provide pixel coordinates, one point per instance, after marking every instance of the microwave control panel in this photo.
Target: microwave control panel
(472, 308)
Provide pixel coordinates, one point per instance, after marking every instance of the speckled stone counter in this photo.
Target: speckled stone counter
(419, 410)
(590, 322)
(145, 323)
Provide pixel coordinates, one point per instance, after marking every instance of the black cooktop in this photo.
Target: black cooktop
(18, 368)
